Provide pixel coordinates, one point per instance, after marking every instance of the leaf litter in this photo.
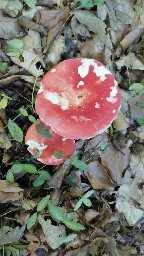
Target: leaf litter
(36, 35)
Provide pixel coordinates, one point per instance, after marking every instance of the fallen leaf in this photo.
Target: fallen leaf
(10, 79)
(52, 233)
(121, 122)
(131, 213)
(32, 43)
(79, 29)
(92, 22)
(9, 27)
(13, 236)
(98, 176)
(137, 165)
(131, 37)
(50, 18)
(90, 214)
(57, 49)
(130, 61)
(4, 140)
(26, 23)
(12, 8)
(10, 192)
(115, 162)
(136, 106)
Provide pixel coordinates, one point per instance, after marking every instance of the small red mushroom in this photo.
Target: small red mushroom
(47, 146)
(79, 98)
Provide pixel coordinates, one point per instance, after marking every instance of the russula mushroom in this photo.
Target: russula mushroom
(47, 146)
(79, 98)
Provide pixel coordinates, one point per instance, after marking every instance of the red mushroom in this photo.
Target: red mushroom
(79, 98)
(47, 146)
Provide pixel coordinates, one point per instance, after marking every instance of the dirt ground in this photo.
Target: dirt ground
(92, 204)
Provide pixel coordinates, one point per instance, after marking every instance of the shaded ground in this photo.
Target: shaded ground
(43, 35)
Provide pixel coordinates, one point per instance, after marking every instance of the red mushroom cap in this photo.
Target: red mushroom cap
(53, 150)
(79, 98)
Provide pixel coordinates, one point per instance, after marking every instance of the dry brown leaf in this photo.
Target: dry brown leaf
(128, 209)
(98, 176)
(13, 236)
(50, 18)
(52, 233)
(137, 106)
(31, 25)
(9, 27)
(115, 162)
(32, 43)
(9, 192)
(131, 37)
(82, 251)
(130, 61)
(53, 32)
(12, 8)
(121, 122)
(10, 79)
(5, 142)
(92, 22)
(90, 214)
(137, 165)
(79, 29)
(57, 49)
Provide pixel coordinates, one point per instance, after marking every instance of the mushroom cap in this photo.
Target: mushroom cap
(79, 98)
(51, 151)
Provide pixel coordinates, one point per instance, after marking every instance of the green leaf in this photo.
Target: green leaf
(38, 181)
(74, 225)
(15, 43)
(10, 177)
(43, 203)
(59, 154)
(23, 111)
(31, 3)
(31, 118)
(4, 101)
(87, 202)
(16, 168)
(140, 121)
(32, 220)
(79, 164)
(88, 194)
(137, 87)
(70, 216)
(43, 131)
(45, 175)
(12, 52)
(69, 238)
(78, 204)
(3, 67)
(56, 213)
(96, 2)
(15, 131)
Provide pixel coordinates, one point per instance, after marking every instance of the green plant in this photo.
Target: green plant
(84, 200)
(15, 47)
(89, 3)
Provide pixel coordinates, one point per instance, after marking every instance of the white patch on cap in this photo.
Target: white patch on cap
(80, 118)
(53, 70)
(41, 88)
(97, 105)
(114, 91)
(53, 159)
(33, 144)
(114, 111)
(64, 139)
(55, 98)
(81, 83)
(111, 100)
(100, 71)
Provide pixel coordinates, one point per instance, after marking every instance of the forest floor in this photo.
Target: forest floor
(95, 205)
